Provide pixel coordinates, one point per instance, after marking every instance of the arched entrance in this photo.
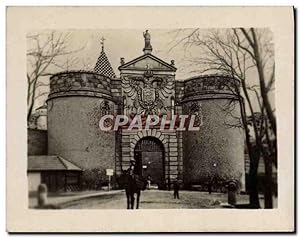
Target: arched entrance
(149, 156)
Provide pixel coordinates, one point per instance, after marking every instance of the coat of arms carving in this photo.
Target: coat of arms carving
(147, 94)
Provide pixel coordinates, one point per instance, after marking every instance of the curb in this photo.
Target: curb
(81, 197)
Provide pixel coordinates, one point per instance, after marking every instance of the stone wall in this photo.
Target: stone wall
(210, 86)
(116, 89)
(37, 142)
(74, 133)
(179, 91)
(76, 102)
(217, 150)
(83, 83)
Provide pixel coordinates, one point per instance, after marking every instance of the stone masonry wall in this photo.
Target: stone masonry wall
(217, 150)
(74, 133)
(76, 102)
(37, 142)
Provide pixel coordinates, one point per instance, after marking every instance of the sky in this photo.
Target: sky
(126, 43)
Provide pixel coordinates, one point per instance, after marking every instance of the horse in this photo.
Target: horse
(133, 184)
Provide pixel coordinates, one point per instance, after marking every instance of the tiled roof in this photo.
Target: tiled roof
(103, 66)
(50, 162)
(44, 106)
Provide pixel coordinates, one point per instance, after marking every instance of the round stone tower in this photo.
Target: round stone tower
(216, 151)
(76, 102)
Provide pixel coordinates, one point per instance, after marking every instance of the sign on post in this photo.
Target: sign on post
(109, 173)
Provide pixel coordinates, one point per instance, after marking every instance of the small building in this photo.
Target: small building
(56, 172)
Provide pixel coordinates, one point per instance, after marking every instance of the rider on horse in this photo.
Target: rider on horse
(136, 175)
(134, 183)
(132, 168)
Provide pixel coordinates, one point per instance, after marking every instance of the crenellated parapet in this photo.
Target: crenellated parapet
(83, 83)
(210, 86)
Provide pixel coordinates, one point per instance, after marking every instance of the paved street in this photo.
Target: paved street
(155, 199)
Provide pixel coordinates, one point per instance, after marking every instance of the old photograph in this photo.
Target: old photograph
(110, 121)
(150, 119)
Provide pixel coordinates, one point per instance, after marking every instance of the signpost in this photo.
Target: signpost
(109, 173)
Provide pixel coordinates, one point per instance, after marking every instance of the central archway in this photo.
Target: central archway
(149, 156)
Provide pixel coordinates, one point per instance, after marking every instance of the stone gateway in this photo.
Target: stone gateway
(147, 86)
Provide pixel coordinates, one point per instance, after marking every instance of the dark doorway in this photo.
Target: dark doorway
(149, 156)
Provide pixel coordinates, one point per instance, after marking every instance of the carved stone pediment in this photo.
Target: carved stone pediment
(148, 62)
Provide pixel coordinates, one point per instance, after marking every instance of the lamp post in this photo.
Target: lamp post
(214, 172)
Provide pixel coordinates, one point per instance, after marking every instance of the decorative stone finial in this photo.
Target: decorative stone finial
(172, 62)
(148, 47)
(102, 42)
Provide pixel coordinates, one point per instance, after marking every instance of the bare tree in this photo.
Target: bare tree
(255, 50)
(233, 52)
(47, 53)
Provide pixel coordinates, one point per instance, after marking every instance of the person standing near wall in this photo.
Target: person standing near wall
(148, 182)
(176, 190)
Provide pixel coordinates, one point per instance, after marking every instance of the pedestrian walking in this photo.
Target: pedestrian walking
(148, 182)
(176, 190)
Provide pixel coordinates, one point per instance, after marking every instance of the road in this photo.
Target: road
(155, 199)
